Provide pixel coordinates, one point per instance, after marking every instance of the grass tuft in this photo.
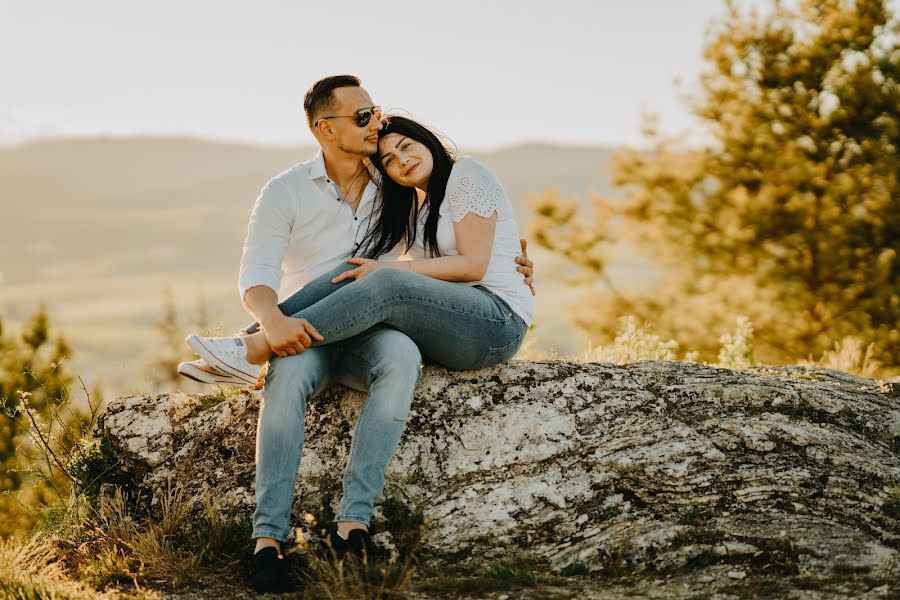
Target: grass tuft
(30, 571)
(208, 401)
(327, 578)
(503, 576)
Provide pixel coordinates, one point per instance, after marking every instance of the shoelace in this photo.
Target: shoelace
(230, 346)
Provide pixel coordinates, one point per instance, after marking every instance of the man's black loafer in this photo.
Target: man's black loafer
(358, 544)
(269, 573)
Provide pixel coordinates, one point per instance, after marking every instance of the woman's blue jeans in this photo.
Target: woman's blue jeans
(455, 325)
(363, 323)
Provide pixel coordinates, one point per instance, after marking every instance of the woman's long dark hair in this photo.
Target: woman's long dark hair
(398, 213)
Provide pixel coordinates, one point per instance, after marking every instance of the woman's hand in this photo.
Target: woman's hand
(366, 267)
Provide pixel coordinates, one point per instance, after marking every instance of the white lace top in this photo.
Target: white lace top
(473, 188)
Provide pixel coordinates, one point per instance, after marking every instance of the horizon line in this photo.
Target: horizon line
(238, 141)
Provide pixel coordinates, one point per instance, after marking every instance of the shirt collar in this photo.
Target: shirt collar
(317, 171)
(317, 167)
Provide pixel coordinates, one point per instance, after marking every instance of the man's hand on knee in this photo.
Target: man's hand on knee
(288, 336)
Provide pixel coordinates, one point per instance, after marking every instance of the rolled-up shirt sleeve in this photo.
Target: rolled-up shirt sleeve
(267, 239)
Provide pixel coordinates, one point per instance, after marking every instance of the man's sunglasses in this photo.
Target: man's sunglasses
(362, 116)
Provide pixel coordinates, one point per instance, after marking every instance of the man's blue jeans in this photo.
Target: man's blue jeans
(382, 360)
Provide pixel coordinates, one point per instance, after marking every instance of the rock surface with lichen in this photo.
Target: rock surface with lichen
(658, 468)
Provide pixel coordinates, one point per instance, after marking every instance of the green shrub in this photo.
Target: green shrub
(94, 463)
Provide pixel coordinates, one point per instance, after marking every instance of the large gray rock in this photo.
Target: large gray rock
(651, 466)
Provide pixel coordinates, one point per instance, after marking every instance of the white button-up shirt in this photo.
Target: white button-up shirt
(300, 228)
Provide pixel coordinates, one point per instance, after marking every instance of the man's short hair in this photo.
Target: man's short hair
(320, 98)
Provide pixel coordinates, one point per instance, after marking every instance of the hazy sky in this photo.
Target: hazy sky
(485, 72)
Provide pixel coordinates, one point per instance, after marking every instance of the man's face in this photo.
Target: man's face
(350, 137)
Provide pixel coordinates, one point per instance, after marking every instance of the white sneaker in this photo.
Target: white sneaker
(227, 354)
(198, 370)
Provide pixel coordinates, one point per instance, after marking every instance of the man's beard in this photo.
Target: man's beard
(361, 152)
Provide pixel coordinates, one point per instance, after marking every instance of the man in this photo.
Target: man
(304, 223)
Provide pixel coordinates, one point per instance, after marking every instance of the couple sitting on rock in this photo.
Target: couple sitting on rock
(378, 189)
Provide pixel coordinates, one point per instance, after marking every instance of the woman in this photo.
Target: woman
(460, 298)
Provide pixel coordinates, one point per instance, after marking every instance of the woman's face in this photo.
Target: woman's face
(405, 160)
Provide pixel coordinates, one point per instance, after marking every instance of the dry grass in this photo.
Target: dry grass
(633, 343)
(330, 579)
(118, 552)
(117, 547)
(97, 545)
(31, 571)
(28, 570)
(850, 355)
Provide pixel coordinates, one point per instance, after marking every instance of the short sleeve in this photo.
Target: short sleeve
(472, 189)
